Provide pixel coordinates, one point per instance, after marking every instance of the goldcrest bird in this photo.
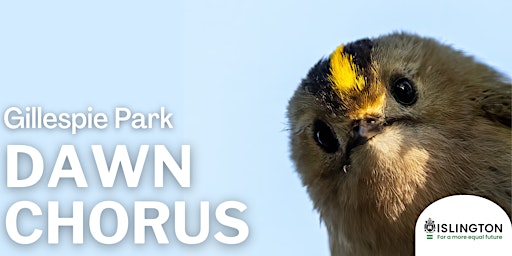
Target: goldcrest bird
(383, 127)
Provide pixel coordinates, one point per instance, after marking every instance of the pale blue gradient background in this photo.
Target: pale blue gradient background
(226, 69)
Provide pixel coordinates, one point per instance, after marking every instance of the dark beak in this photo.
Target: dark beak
(362, 131)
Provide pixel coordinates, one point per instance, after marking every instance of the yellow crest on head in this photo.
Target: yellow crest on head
(344, 76)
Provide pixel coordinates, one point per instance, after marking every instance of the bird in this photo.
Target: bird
(384, 126)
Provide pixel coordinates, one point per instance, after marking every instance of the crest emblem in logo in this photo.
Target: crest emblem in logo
(429, 226)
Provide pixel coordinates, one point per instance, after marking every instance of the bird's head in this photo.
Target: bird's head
(384, 126)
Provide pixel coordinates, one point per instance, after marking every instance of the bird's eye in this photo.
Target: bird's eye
(404, 92)
(324, 137)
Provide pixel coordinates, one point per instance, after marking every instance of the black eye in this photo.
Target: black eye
(325, 138)
(404, 91)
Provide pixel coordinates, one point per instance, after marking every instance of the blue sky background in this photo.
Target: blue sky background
(226, 69)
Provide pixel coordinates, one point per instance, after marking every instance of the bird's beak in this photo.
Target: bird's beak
(362, 131)
(366, 128)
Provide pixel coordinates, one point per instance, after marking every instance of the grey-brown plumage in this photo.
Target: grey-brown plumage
(384, 127)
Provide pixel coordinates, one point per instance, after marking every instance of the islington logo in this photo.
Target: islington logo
(473, 231)
(463, 225)
(430, 228)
